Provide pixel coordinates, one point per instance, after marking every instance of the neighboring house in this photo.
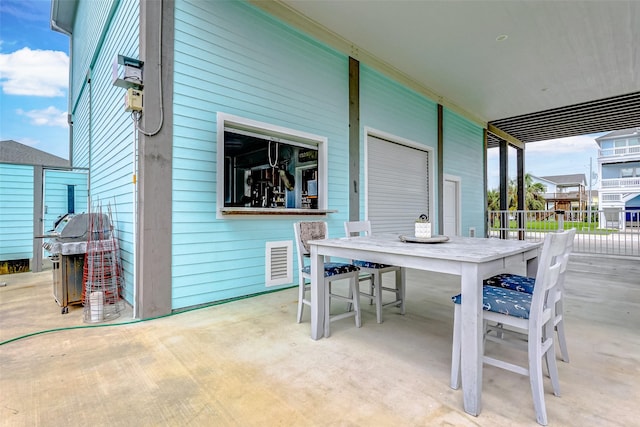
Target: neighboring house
(619, 169)
(565, 192)
(35, 188)
(249, 125)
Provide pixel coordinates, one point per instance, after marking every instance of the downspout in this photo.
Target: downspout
(69, 113)
(90, 145)
(134, 231)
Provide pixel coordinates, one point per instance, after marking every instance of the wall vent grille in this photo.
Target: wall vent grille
(279, 263)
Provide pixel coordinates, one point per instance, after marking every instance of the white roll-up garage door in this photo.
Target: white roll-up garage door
(398, 186)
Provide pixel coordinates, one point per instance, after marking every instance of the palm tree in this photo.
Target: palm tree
(493, 204)
(493, 200)
(533, 198)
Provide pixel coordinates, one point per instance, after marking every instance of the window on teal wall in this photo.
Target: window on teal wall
(269, 169)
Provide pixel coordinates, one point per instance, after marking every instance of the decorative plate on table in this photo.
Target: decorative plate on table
(432, 239)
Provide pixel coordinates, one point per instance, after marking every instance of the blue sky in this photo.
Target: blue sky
(34, 63)
(563, 156)
(33, 95)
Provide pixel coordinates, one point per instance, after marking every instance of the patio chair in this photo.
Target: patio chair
(523, 315)
(526, 284)
(315, 230)
(372, 272)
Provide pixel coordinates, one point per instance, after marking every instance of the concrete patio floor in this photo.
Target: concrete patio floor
(248, 363)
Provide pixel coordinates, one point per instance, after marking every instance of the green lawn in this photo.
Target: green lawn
(581, 227)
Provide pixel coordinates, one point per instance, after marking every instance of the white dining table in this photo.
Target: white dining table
(473, 259)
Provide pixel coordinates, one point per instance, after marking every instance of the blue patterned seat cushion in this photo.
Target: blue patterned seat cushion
(505, 301)
(513, 282)
(368, 264)
(333, 268)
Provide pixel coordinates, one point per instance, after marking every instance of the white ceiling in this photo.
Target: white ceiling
(557, 53)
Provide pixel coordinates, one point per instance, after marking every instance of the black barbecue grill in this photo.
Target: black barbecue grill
(67, 245)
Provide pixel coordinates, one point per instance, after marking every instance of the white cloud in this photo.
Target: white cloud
(564, 145)
(34, 72)
(549, 155)
(546, 158)
(554, 147)
(50, 116)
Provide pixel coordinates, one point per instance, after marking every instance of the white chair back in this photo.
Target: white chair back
(305, 231)
(308, 230)
(546, 292)
(567, 251)
(357, 228)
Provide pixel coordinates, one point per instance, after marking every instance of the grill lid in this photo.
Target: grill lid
(72, 232)
(75, 228)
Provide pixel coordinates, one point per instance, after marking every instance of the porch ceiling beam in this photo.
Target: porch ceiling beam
(505, 136)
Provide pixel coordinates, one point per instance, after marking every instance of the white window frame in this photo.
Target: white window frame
(269, 130)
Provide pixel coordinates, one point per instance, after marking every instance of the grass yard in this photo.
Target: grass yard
(581, 227)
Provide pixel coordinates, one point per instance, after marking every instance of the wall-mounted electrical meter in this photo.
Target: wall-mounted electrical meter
(133, 100)
(127, 72)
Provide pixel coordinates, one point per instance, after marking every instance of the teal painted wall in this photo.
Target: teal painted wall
(391, 107)
(463, 150)
(232, 58)
(81, 131)
(55, 194)
(92, 24)
(16, 212)
(88, 31)
(103, 137)
(387, 106)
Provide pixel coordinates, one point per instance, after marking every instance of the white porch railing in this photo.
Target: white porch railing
(608, 231)
(620, 183)
(619, 151)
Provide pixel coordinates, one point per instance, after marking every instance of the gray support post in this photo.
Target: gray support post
(153, 251)
(484, 175)
(36, 261)
(440, 177)
(521, 193)
(354, 139)
(504, 189)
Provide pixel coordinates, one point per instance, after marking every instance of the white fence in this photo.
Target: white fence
(608, 231)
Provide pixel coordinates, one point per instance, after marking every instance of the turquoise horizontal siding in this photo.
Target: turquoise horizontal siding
(16, 212)
(463, 153)
(87, 32)
(232, 58)
(103, 131)
(387, 106)
(55, 194)
(79, 155)
(390, 107)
